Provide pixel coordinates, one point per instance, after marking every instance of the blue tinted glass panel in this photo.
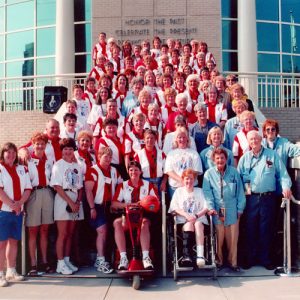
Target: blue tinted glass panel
(1, 70)
(229, 8)
(19, 68)
(2, 21)
(286, 7)
(289, 63)
(45, 41)
(82, 63)
(268, 63)
(19, 44)
(267, 10)
(45, 66)
(229, 35)
(267, 37)
(230, 61)
(82, 10)
(20, 16)
(290, 45)
(14, 1)
(2, 2)
(2, 47)
(83, 38)
(46, 12)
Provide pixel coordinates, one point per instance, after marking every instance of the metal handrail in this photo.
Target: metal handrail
(286, 269)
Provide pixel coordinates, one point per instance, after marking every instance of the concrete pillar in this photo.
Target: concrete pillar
(65, 37)
(247, 46)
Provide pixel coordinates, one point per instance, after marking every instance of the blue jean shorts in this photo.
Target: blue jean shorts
(100, 218)
(11, 226)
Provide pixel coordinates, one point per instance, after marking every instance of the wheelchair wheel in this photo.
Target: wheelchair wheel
(174, 271)
(136, 282)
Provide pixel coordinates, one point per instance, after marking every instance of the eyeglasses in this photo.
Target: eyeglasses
(271, 129)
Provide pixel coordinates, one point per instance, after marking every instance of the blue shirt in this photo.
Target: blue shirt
(200, 134)
(225, 191)
(232, 127)
(129, 103)
(207, 161)
(263, 171)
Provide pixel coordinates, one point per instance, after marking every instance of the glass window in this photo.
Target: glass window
(286, 7)
(290, 62)
(46, 12)
(1, 70)
(82, 10)
(14, 1)
(267, 37)
(287, 43)
(45, 41)
(2, 48)
(229, 8)
(19, 68)
(267, 10)
(2, 23)
(45, 66)
(229, 35)
(83, 38)
(20, 16)
(82, 63)
(268, 63)
(230, 61)
(19, 44)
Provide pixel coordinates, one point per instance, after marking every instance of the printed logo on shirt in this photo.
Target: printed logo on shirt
(72, 177)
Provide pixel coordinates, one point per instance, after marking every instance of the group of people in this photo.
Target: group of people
(150, 120)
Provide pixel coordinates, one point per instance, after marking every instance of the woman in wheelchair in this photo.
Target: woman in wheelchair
(225, 197)
(189, 206)
(131, 192)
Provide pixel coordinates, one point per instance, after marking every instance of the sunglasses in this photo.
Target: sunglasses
(271, 129)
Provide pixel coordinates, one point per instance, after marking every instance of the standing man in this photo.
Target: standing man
(260, 169)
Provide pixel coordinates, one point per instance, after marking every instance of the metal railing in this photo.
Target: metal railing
(265, 89)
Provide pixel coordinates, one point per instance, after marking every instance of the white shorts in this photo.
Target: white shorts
(60, 213)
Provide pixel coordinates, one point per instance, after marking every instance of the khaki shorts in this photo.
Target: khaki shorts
(39, 208)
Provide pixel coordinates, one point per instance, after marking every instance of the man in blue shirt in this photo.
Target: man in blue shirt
(260, 169)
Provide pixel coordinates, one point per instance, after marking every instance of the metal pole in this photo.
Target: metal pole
(164, 234)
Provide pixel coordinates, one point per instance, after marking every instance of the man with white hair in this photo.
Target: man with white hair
(260, 169)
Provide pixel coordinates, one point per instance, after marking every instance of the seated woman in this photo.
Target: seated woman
(188, 203)
(224, 193)
(39, 207)
(67, 181)
(15, 188)
(100, 185)
(131, 192)
(215, 140)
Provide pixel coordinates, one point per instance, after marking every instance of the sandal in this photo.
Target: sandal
(46, 268)
(33, 271)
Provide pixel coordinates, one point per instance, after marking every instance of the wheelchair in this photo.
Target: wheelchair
(175, 248)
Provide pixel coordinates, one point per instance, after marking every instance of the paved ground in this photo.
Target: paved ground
(254, 284)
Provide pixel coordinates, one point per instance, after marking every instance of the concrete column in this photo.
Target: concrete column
(247, 46)
(65, 37)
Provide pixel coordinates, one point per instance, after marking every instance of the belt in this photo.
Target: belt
(262, 194)
(39, 187)
(70, 190)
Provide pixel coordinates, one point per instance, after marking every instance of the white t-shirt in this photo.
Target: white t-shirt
(179, 160)
(192, 203)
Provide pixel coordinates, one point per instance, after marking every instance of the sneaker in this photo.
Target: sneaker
(63, 269)
(3, 281)
(200, 261)
(71, 266)
(13, 275)
(147, 263)
(123, 265)
(104, 267)
(97, 262)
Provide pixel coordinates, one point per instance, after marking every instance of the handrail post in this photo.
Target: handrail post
(164, 234)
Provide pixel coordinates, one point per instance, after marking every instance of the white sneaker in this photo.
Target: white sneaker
(71, 266)
(200, 262)
(123, 265)
(97, 262)
(147, 262)
(104, 267)
(13, 275)
(62, 268)
(3, 281)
